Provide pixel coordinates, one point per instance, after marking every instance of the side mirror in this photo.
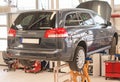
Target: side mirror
(106, 25)
(109, 23)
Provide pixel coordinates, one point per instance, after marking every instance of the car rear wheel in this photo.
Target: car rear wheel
(79, 59)
(112, 50)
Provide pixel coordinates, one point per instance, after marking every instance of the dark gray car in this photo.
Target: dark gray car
(61, 35)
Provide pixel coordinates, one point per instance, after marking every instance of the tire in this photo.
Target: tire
(27, 62)
(79, 59)
(112, 50)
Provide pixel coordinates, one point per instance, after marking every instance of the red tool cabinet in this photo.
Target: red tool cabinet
(112, 69)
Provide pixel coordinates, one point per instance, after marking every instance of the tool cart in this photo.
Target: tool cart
(112, 68)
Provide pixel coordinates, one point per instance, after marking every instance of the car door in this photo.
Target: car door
(93, 32)
(104, 30)
(72, 27)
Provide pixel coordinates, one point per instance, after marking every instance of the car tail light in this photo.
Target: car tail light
(12, 32)
(56, 32)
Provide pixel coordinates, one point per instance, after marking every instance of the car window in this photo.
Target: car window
(87, 19)
(27, 20)
(98, 19)
(23, 20)
(35, 20)
(44, 21)
(71, 20)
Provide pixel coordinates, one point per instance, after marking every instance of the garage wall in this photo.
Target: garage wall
(117, 20)
(3, 32)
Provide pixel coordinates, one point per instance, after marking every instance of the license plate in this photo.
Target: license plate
(30, 41)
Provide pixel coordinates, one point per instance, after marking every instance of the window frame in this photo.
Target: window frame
(90, 16)
(69, 14)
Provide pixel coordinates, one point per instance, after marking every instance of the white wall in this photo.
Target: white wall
(117, 20)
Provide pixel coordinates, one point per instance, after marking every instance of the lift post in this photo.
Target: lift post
(56, 72)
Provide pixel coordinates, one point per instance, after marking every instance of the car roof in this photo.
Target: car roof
(60, 10)
(75, 9)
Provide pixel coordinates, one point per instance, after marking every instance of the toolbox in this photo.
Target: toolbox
(112, 69)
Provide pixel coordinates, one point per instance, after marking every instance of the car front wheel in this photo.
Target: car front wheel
(79, 59)
(112, 50)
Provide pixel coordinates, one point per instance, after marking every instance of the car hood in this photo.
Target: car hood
(101, 7)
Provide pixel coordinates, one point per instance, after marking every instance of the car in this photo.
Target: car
(68, 35)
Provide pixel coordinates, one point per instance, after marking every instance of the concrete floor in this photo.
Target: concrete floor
(21, 76)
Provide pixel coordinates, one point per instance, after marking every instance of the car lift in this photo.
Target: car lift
(73, 74)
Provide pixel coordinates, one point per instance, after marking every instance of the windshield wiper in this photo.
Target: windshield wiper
(37, 21)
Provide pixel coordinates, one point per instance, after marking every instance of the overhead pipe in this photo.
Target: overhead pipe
(115, 15)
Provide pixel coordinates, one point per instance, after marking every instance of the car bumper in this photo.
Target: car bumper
(53, 54)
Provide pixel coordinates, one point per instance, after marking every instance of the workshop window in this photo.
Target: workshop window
(117, 2)
(44, 4)
(26, 4)
(3, 19)
(68, 3)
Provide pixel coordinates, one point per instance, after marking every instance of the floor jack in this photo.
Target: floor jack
(33, 69)
(12, 66)
(84, 74)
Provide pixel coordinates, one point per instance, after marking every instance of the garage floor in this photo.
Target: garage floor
(20, 76)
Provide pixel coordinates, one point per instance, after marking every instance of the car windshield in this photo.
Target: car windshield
(35, 20)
